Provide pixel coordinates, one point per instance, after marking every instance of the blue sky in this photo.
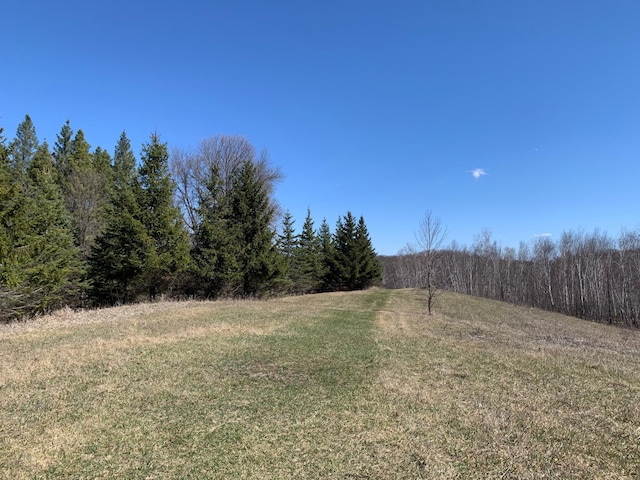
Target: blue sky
(382, 108)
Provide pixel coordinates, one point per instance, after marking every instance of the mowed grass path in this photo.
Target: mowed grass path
(359, 385)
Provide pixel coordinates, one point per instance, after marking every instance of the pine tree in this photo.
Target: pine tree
(162, 219)
(124, 163)
(13, 225)
(123, 248)
(54, 272)
(252, 214)
(287, 245)
(354, 264)
(344, 262)
(369, 268)
(85, 186)
(23, 148)
(215, 250)
(328, 281)
(308, 257)
(40, 268)
(62, 150)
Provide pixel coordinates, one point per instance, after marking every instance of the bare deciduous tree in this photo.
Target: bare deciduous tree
(429, 238)
(228, 153)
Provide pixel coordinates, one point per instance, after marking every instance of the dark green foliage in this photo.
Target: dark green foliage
(234, 251)
(41, 268)
(118, 259)
(23, 148)
(73, 223)
(124, 164)
(353, 265)
(85, 184)
(326, 255)
(288, 243)
(251, 215)
(62, 149)
(215, 250)
(369, 268)
(162, 219)
(308, 258)
(123, 248)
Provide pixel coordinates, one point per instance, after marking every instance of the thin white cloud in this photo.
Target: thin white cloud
(478, 172)
(542, 235)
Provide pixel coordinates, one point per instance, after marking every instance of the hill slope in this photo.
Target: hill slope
(350, 385)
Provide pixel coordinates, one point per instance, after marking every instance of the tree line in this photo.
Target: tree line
(587, 275)
(82, 228)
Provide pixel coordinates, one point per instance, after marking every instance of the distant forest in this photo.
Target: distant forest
(81, 228)
(587, 275)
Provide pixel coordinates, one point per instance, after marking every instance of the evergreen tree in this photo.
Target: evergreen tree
(328, 281)
(252, 214)
(13, 220)
(161, 218)
(215, 250)
(354, 264)
(369, 268)
(40, 268)
(101, 161)
(308, 257)
(123, 248)
(85, 186)
(54, 272)
(119, 257)
(62, 150)
(287, 246)
(23, 148)
(344, 262)
(124, 163)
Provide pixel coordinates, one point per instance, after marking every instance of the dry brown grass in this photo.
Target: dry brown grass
(488, 390)
(359, 385)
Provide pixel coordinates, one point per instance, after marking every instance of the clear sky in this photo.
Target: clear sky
(521, 117)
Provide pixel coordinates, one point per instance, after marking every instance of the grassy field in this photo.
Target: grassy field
(357, 385)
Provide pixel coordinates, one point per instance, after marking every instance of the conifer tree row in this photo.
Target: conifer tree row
(78, 227)
(40, 266)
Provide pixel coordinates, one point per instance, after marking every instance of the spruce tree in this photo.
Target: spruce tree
(124, 163)
(119, 258)
(308, 258)
(62, 150)
(344, 263)
(54, 272)
(13, 225)
(328, 281)
(369, 268)
(85, 186)
(215, 247)
(354, 264)
(287, 244)
(162, 219)
(123, 248)
(252, 215)
(23, 148)
(40, 269)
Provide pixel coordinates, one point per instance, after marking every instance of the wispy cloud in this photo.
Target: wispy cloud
(478, 172)
(542, 235)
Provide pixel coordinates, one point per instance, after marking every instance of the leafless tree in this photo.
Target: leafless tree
(190, 170)
(430, 237)
(587, 275)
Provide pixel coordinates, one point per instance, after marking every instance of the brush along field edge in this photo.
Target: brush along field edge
(344, 385)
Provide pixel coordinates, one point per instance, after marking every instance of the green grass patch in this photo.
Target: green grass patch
(360, 385)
